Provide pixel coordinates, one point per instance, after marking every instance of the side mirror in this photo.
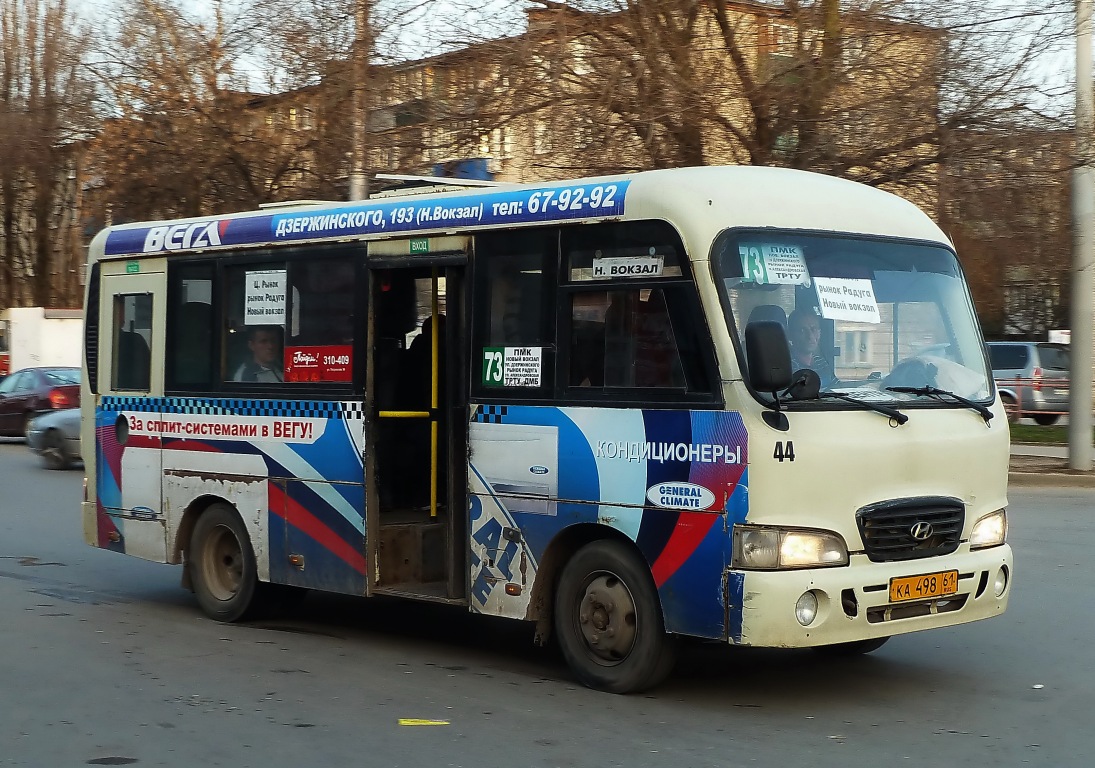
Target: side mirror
(768, 356)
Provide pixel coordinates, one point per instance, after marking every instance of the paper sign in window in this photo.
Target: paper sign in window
(773, 264)
(512, 366)
(264, 297)
(628, 266)
(846, 299)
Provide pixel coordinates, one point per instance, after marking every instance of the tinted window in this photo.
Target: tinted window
(513, 334)
(131, 366)
(623, 338)
(1007, 356)
(191, 326)
(635, 320)
(290, 322)
(1055, 358)
(320, 330)
(7, 386)
(17, 382)
(62, 375)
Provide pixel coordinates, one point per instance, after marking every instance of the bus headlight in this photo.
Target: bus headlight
(766, 548)
(990, 531)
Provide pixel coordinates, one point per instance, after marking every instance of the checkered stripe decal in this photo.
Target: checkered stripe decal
(319, 409)
(491, 414)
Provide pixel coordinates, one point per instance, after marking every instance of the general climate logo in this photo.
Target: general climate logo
(680, 496)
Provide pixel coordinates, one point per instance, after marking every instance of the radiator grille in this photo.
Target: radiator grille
(907, 529)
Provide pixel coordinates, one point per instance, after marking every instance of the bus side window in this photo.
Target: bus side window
(190, 326)
(132, 363)
(627, 342)
(514, 285)
(635, 318)
(319, 330)
(256, 315)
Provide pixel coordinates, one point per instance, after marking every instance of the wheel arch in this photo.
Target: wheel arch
(556, 555)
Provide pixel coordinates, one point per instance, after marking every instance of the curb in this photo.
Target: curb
(1051, 480)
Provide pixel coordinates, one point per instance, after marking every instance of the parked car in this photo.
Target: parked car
(30, 391)
(55, 436)
(1032, 377)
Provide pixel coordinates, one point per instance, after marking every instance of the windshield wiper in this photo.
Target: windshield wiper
(940, 394)
(885, 410)
(807, 386)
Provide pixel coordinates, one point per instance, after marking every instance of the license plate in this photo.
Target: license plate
(923, 587)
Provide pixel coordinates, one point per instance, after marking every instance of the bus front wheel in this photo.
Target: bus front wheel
(222, 563)
(608, 620)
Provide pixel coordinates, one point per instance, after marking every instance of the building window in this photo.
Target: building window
(855, 348)
(542, 138)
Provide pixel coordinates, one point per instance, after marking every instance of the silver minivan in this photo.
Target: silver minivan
(1032, 378)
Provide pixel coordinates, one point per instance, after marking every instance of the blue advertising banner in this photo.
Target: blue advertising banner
(480, 209)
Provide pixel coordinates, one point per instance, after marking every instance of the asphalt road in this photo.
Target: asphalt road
(104, 660)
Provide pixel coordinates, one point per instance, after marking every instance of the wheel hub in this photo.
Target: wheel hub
(223, 566)
(607, 618)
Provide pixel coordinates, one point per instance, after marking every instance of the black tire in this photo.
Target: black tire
(1045, 419)
(222, 565)
(54, 453)
(854, 648)
(608, 620)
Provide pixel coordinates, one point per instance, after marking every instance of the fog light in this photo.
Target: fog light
(1001, 584)
(806, 609)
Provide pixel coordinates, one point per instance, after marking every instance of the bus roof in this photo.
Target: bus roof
(700, 202)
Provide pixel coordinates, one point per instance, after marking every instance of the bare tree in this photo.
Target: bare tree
(45, 108)
(867, 89)
(1006, 209)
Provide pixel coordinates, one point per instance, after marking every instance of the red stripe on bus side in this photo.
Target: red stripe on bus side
(292, 512)
(689, 532)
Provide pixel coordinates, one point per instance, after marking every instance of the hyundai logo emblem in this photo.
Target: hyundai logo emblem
(921, 531)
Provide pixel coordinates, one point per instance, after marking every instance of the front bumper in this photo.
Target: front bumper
(853, 601)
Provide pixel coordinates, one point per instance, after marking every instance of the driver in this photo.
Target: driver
(804, 332)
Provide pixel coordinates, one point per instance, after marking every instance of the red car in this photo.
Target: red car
(30, 391)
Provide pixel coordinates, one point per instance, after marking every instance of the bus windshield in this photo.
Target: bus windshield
(878, 320)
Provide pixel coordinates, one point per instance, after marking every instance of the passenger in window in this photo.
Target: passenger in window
(804, 331)
(266, 364)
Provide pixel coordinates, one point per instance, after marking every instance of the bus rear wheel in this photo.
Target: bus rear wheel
(223, 571)
(608, 620)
